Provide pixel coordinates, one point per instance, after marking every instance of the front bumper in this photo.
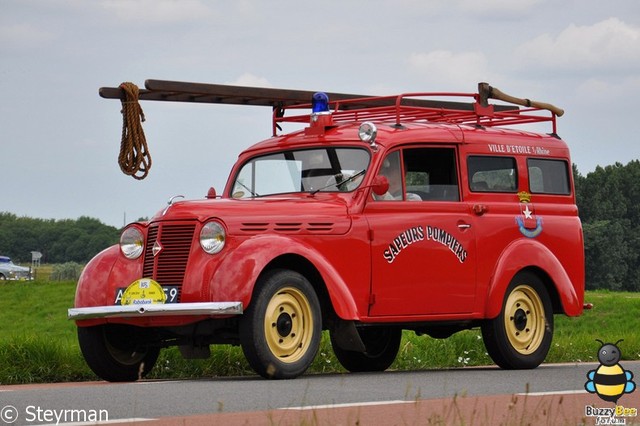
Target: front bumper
(155, 310)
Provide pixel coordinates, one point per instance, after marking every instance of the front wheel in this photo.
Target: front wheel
(114, 353)
(381, 343)
(280, 331)
(520, 336)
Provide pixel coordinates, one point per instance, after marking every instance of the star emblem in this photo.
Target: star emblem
(527, 213)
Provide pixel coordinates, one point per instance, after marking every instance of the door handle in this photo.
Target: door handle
(464, 225)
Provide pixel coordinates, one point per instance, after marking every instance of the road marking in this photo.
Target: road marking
(354, 404)
(568, 392)
(158, 382)
(107, 422)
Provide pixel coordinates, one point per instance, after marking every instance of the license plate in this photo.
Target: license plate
(170, 291)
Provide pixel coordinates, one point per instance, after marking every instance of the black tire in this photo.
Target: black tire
(520, 336)
(113, 352)
(382, 345)
(280, 331)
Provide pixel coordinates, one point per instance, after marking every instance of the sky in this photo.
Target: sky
(59, 141)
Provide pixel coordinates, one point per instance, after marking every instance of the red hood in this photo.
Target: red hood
(289, 215)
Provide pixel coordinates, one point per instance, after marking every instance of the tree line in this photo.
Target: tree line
(59, 241)
(609, 206)
(608, 201)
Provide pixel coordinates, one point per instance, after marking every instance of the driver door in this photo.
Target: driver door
(423, 244)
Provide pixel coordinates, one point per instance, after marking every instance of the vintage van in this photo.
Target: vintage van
(426, 212)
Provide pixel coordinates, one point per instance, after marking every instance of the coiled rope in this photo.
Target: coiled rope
(134, 158)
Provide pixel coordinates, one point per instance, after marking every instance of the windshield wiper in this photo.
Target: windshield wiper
(254, 194)
(337, 184)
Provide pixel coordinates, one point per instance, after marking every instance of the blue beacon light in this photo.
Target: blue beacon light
(320, 118)
(320, 103)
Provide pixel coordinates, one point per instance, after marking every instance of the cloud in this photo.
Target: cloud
(610, 45)
(601, 93)
(499, 9)
(158, 11)
(447, 70)
(24, 36)
(248, 79)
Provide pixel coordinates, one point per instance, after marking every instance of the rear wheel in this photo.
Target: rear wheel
(280, 331)
(381, 343)
(520, 336)
(114, 352)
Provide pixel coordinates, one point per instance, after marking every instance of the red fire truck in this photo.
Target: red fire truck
(428, 212)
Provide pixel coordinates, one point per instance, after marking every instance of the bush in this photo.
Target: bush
(69, 271)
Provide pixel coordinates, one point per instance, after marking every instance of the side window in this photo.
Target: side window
(392, 171)
(492, 174)
(431, 174)
(548, 176)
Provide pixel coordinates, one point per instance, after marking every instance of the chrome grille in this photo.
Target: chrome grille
(169, 265)
(152, 236)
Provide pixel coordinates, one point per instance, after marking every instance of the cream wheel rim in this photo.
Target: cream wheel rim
(288, 324)
(524, 319)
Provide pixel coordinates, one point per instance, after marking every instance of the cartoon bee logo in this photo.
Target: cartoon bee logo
(610, 381)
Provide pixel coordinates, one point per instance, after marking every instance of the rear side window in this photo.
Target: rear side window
(431, 174)
(548, 176)
(492, 174)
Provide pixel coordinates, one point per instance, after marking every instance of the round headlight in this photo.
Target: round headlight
(368, 132)
(131, 242)
(212, 237)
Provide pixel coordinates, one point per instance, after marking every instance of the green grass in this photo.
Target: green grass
(37, 309)
(38, 344)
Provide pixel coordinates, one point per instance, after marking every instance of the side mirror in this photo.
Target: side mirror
(380, 185)
(211, 193)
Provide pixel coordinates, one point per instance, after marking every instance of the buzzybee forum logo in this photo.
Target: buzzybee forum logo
(610, 381)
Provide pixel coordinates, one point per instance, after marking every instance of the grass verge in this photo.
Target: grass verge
(38, 344)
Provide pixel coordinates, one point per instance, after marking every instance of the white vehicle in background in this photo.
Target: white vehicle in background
(11, 271)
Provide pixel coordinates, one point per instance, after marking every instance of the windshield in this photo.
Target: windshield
(308, 170)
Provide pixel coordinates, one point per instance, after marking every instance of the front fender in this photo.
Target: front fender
(93, 280)
(236, 276)
(523, 254)
(96, 285)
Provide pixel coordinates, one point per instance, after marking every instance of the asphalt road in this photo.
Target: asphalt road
(49, 403)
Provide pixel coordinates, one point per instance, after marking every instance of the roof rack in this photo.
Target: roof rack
(474, 108)
(406, 107)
